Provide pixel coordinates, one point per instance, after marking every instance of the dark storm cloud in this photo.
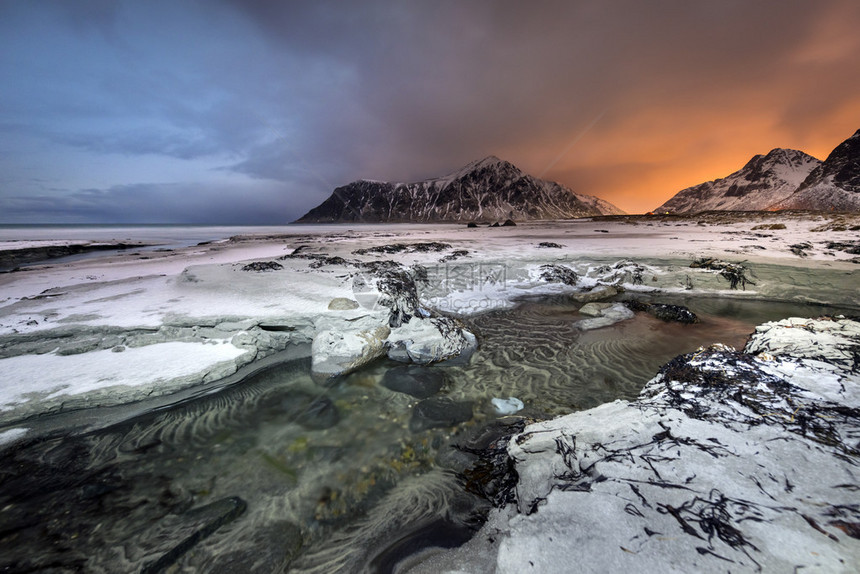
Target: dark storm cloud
(442, 83)
(304, 96)
(152, 203)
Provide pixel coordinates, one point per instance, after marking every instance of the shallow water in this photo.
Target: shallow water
(331, 478)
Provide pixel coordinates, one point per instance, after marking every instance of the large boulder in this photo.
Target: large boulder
(340, 351)
(597, 293)
(606, 316)
(425, 340)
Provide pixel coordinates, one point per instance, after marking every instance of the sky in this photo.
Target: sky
(252, 112)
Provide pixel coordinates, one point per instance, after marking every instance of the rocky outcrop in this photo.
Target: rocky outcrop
(439, 412)
(664, 311)
(741, 461)
(487, 190)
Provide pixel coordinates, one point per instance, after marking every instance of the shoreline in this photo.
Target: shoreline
(95, 343)
(200, 294)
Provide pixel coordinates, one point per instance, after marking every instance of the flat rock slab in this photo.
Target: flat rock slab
(342, 304)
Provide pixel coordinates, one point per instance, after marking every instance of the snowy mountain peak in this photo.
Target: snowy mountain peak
(490, 189)
(833, 185)
(489, 162)
(761, 182)
(782, 179)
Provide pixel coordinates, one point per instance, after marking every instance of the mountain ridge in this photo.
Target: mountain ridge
(488, 189)
(834, 184)
(781, 179)
(761, 182)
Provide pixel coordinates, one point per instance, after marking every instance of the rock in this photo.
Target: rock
(673, 313)
(734, 273)
(664, 312)
(509, 223)
(439, 412)
(622, 272)
(723, 458)
(342, 304)
(490, 473)
(549, 245)
(597, 293)
(399, 293)
(800, 249)
(507, 406)
(594, 309)
(610, 315)
(259, 266)
(558, 274)
(835, 341)
(418, 382)
(772, 226)
(471, 224)
(311, 411)
(340, 352)
(424, 340)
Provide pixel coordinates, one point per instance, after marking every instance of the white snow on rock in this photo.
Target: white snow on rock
(607, 315)
(51, 376)
(425, 340)
(338, 352)
(722, 464)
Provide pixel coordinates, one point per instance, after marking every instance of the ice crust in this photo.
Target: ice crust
(70, 313)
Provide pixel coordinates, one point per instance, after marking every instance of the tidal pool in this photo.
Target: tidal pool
(280, 474)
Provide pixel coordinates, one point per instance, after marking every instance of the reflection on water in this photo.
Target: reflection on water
(278, 473)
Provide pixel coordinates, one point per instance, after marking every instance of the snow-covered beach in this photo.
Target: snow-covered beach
(204, 287)
(85, 345)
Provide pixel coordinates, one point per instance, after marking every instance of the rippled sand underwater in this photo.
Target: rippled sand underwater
(279, 473)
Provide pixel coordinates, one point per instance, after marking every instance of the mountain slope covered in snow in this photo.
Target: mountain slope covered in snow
(763, 181)
(832, 186)
(487, 190)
